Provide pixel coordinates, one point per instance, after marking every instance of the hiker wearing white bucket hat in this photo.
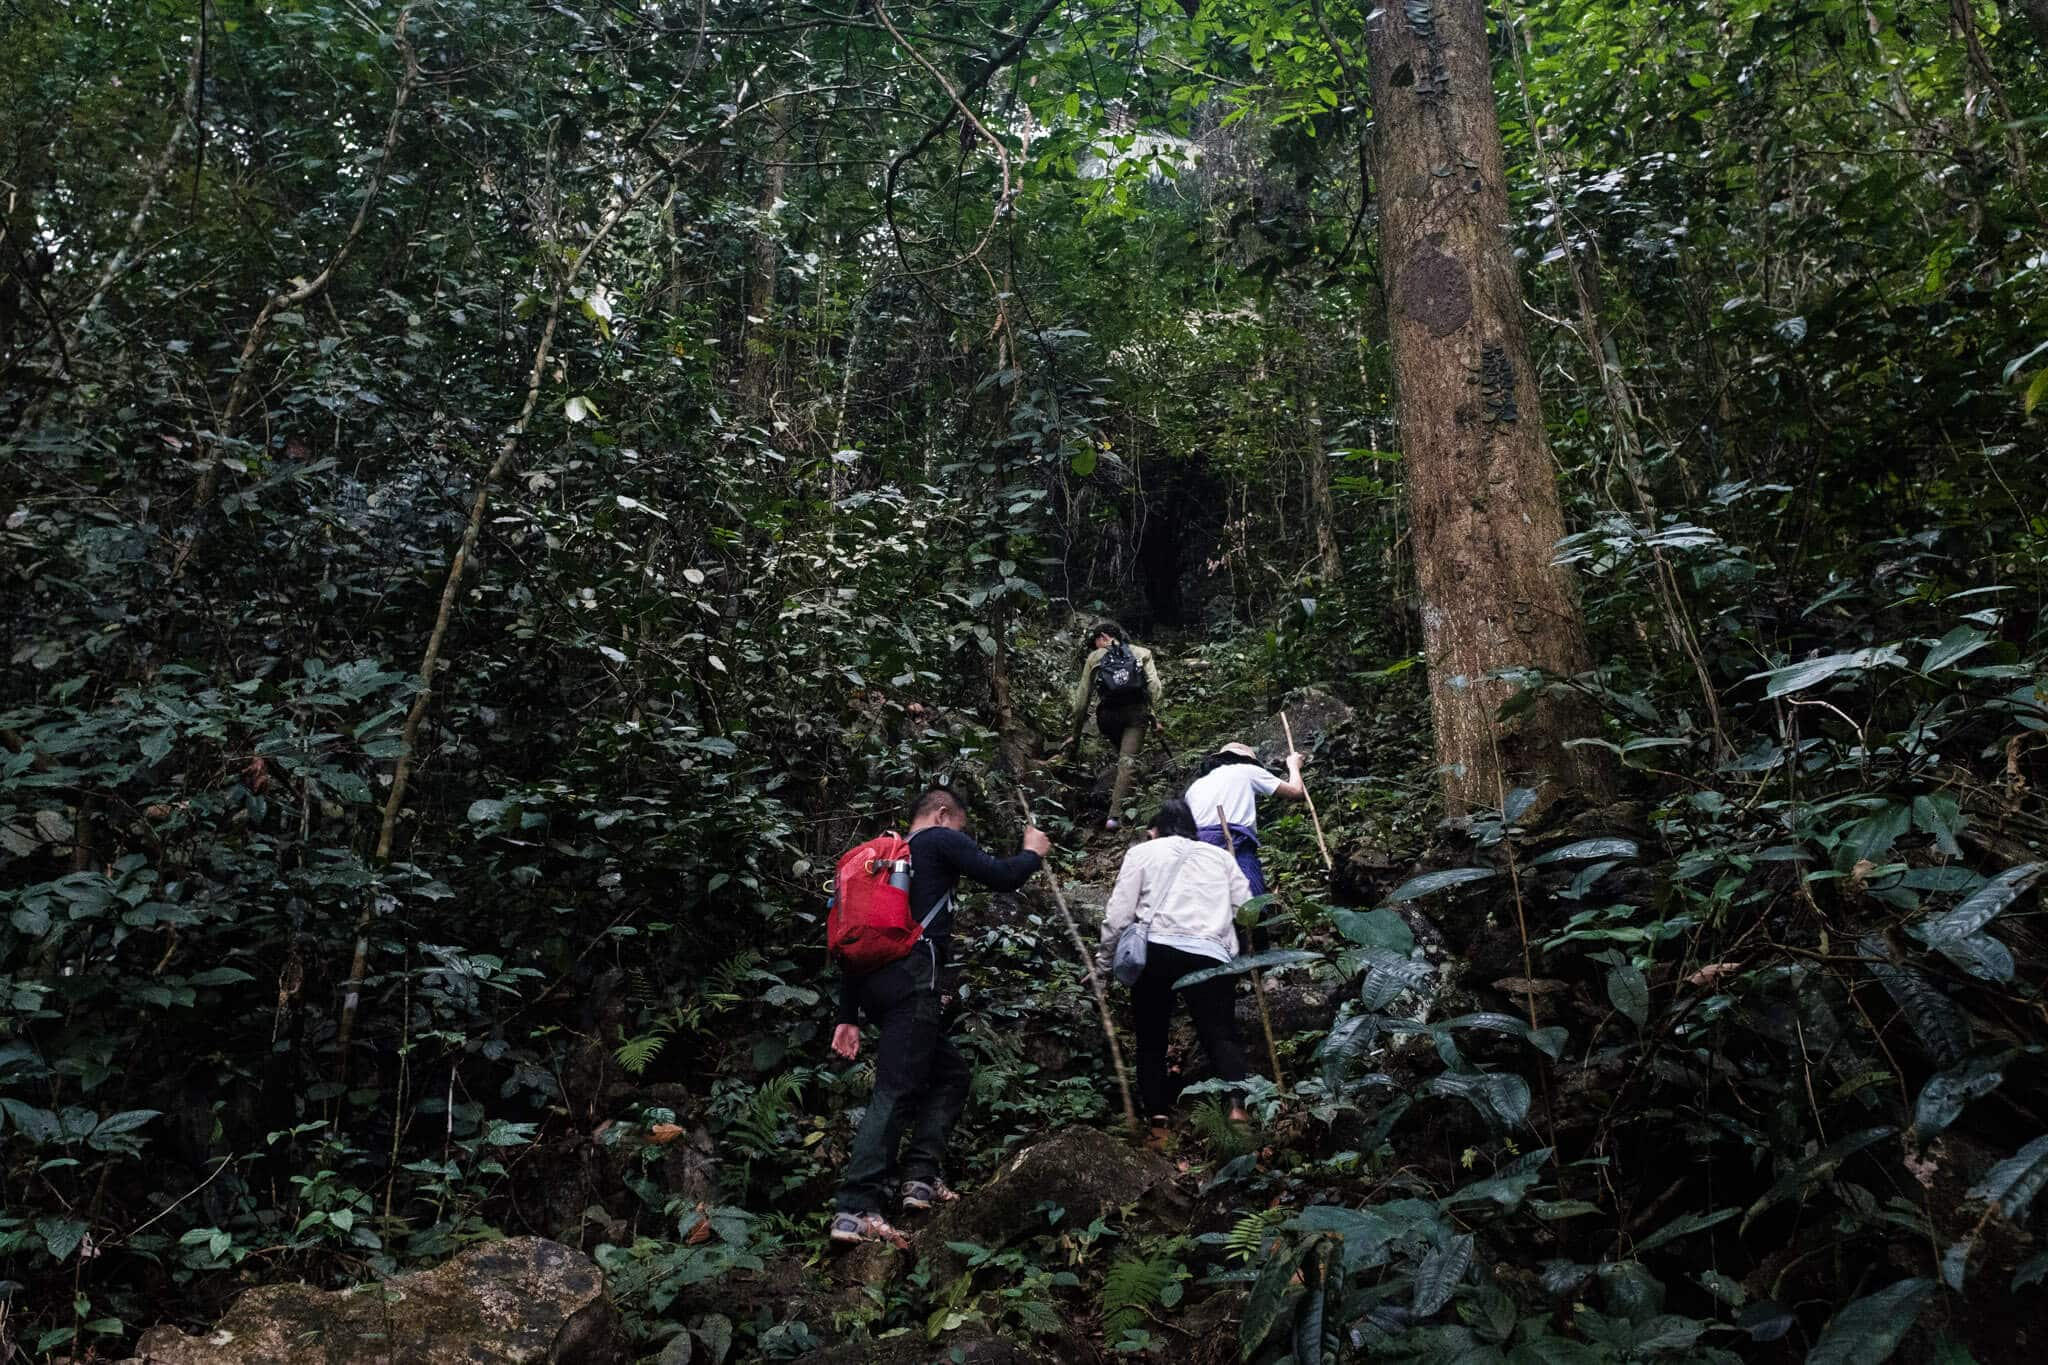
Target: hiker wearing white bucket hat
(1231, 781)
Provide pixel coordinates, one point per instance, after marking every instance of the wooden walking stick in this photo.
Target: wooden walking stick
(1314, 819)
(1116, 1053)
(1258, 983)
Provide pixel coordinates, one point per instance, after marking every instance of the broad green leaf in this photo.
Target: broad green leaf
(61, 1236)
(1946, 1093)
(126, 1121)
(1629, 992)
(1548, 1041)
(1312, 1336)
(1268, 1296)
(2013, 1182)
(39, 1126)
(1430, 882)
(1437, 1278)
(1870, 1329)
(1684, 1226)
(1871, 837)
(1584, 849)
(1238, 966)
(1388, 974)
(1811, 673)
(1955, 1264)
(1981, 955)
(1507, 1188)
(1953, 647)
(1939, 1024)
(1381, 928)
(1980, 907)
(1501, 1097)
(1940, 817)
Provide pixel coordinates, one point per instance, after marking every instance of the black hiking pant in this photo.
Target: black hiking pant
(1213, 1005)
(1123, 727)
(921, 1083)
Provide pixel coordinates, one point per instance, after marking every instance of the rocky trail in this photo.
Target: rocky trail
(1035, 1222)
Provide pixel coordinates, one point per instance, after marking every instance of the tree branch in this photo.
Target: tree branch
(238, 393)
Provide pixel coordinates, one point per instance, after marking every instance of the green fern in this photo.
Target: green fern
(759, 1125)
(722, 986)
(1249, 1236)
(1219, 1133)
(635, 1053)
(1135, 1286)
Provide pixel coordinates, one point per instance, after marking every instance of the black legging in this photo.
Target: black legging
(1214, 1009)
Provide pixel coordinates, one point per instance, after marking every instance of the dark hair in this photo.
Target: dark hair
(934, 801)
(1174, 817)
(1109, 628)
(1215, 761)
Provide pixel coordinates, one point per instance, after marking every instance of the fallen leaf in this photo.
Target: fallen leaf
(1712, 973)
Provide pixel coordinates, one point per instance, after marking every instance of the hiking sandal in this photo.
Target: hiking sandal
(849, 1228)
(922, 1194)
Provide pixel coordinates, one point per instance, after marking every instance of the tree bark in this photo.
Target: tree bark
(1481, 491)
(1322, 502)
(763, 348)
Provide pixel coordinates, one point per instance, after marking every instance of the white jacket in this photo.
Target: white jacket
(1200, 918)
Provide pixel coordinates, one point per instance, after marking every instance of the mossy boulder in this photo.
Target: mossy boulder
(508, 1303)
(913, 1348)
(1324, 728)
(1083, 1171)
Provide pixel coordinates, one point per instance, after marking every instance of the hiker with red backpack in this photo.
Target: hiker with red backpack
(889, 930)
(1124, 683)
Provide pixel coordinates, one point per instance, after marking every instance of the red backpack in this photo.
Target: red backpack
(869, 925)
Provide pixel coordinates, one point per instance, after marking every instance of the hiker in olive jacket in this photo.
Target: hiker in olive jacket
(1123, 680)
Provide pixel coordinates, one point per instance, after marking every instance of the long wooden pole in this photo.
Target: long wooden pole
(1116, 1052)
(1258, 982)
(1313, 818)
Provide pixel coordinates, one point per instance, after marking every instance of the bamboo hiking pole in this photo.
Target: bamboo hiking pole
(1116, 1053)
(1258, 983)
(1313, 818)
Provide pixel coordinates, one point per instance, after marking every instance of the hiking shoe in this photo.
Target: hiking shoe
(922, 1194)
(848, 1228)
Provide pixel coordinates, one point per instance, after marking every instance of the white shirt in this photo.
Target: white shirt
(1200, 917)
(1237, 788)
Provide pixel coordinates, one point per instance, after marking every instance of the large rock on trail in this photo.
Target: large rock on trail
(914, 1348)
(1083, 1171)
(1324, 728)
(524, 1300)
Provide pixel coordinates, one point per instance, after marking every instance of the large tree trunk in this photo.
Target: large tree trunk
(763, 329)
(1322, 502)
(1482, 495)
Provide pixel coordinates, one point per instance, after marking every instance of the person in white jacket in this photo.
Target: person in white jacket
(1187, 893)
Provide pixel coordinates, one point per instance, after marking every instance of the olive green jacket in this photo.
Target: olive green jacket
(1084, 687)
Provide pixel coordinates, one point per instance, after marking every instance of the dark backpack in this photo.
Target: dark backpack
(1118, 676)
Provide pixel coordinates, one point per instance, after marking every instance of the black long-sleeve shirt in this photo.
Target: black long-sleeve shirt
(939, 858)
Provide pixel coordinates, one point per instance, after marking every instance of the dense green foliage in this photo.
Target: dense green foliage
(794, 428)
